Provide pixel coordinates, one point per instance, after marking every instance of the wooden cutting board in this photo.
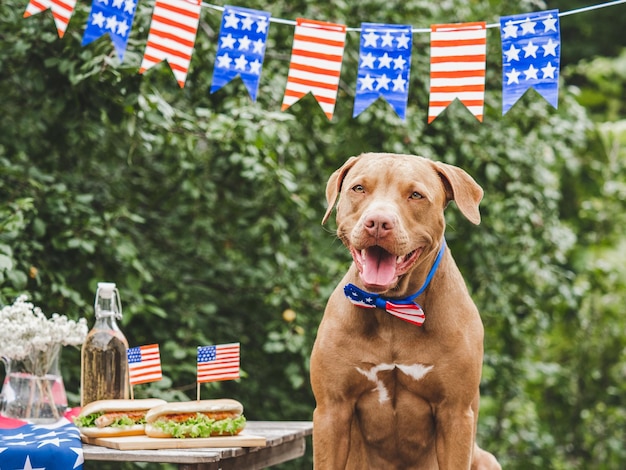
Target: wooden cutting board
(151, 443)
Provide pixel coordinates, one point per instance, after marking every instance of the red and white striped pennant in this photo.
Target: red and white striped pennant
(457, 67)
(315, 65)
(172, 36)
(62, 11)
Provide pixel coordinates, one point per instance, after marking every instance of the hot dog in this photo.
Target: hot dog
(194, 419)
(110, 418)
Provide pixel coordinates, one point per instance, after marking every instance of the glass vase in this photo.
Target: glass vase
(33, 388)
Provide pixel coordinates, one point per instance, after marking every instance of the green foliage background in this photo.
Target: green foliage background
(205, 209)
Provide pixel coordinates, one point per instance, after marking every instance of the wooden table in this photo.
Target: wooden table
(285, 440)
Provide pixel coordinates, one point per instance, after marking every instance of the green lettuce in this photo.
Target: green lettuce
(89, 421)
(201, 426)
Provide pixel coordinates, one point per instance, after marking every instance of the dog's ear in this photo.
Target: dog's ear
(461, 188)
(333, 187)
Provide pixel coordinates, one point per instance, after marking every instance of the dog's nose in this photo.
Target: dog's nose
(378, 225)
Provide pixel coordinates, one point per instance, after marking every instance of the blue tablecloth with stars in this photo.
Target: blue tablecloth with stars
(25, 446)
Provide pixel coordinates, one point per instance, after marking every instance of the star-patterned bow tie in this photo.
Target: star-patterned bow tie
(405, 308)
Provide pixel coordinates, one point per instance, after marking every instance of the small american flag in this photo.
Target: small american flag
(219, 362)
(144, 364)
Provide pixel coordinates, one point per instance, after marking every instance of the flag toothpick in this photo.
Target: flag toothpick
(144, 365)
(217, 363)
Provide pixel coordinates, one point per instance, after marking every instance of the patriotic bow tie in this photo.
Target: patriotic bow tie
(405, 308)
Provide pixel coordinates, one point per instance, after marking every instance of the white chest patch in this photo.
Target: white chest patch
(415, 371)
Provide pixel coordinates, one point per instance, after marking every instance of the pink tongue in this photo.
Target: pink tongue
(379, 267)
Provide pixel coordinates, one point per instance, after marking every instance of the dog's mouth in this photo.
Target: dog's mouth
(380, 269)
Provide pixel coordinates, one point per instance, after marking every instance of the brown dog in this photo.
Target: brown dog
(392, 394)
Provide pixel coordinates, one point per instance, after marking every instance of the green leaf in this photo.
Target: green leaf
(6, 262)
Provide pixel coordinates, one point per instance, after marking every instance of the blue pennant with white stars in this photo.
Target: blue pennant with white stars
(114, 17)
(241, 48)
(531, 56)
(384, 66)
(54, 446)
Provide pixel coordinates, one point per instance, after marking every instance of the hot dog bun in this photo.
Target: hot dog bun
(134, 430)
(110, 418)
(200, 418)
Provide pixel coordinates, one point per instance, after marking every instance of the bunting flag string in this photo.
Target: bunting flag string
(531, 51)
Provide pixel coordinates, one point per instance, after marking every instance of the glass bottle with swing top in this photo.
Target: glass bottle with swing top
(104, 365)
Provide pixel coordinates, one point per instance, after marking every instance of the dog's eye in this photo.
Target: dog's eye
(358, 188)
(416, 195)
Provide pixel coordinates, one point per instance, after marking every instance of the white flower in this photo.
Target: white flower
(26, 331)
